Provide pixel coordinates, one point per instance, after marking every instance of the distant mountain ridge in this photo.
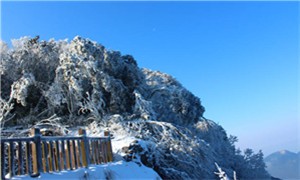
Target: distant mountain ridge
(284, 164)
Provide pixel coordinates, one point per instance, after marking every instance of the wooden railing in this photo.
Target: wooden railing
(37, 153)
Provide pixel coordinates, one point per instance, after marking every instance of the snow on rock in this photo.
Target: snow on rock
(154, 121)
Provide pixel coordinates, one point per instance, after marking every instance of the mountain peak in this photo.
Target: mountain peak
(284, 152)
(283, 164)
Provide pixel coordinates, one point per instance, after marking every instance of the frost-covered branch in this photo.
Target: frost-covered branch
(221, 174)
(54, 123)
(6, 107)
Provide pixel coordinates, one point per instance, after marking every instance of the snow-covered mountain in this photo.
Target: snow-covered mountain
(153, 119)
(284, 164)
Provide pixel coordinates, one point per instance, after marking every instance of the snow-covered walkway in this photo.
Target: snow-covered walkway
(114, 170)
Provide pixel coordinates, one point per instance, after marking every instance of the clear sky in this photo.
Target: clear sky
(240, 58)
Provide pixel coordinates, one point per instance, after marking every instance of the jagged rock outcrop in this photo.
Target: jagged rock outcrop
(82, 83)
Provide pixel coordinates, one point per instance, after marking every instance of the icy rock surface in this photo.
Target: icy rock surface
(81, 83)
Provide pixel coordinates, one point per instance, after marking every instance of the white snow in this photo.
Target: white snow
(115, 170)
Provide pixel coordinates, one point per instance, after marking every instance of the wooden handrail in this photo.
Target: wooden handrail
(37, 153)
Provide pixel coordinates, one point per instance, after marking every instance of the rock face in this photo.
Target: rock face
(82, 83)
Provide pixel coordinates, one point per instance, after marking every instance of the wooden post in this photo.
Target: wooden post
(20, 160)
(11, 159)
(96, 151)
(93, 152)
(52, 155)
(49, 156)
(67, 150)
(80, 153)
(28, 159)
(70, 154)
(109, 148)
(44, 158)
(99, 151)
(70, 146)
(74, 154)
(84, 146)
(45, 146)
(104, 150)
(77, 153)
(33, 153)
(58, 156)
(64, 157)
(21, 157)
(36, 151)
(55, 153)
(2, 161)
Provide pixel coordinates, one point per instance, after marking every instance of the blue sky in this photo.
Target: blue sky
(240, 58)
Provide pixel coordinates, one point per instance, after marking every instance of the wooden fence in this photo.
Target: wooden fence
(37, 153)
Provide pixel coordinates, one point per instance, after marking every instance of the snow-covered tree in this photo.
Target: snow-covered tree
(81, 83)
